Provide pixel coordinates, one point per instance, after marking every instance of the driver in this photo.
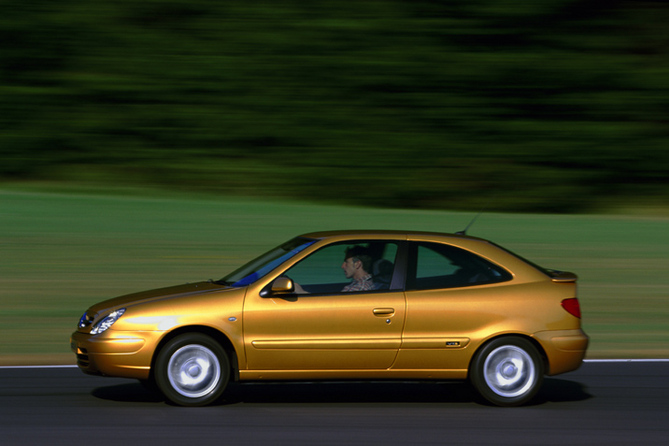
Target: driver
(357, 263)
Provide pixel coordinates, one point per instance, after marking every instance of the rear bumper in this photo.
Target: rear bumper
(121, 354)
(565, 349)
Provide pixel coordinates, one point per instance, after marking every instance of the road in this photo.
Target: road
(620, 403)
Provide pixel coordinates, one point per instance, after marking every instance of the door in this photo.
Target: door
(321, 326)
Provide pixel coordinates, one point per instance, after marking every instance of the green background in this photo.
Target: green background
(63, 252)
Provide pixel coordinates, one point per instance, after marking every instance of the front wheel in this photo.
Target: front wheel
(192, 370)
(507, 371)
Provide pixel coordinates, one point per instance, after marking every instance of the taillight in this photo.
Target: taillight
(572, 306)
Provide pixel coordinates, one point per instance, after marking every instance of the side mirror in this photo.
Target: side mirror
(283, 285)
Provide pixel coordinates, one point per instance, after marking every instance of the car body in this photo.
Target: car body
(442, 306)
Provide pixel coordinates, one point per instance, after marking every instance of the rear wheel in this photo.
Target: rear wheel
(507, 371)
(192, 370)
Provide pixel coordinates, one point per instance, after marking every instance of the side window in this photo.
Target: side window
(320, 268)
(445, 266)
(324, 272)
(430, 263)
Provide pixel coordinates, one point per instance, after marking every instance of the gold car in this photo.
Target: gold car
(342, 305)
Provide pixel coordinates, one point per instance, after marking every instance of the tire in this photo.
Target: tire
(192, 370)
(507, 371)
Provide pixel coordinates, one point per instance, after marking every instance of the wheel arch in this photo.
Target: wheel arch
(220, 337)
(537, 345)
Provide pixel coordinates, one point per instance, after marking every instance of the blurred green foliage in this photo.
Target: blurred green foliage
(548, 106)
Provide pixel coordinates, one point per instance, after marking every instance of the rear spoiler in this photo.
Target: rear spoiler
(562, 276)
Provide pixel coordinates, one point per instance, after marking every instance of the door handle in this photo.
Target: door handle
(383, 311)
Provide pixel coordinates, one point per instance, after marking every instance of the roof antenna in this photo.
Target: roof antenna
(464, 232)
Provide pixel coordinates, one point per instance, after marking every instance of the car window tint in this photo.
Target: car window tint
(431, 263)
(445, 266)
(323, 266)
(321, 272)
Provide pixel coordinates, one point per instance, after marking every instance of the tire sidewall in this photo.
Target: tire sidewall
(477, 373)
(161, 369)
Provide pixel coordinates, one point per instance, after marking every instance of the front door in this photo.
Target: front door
(323, 327)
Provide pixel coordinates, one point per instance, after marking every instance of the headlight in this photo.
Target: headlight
(107, 321)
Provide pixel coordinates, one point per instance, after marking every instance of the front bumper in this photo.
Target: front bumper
(115, 353)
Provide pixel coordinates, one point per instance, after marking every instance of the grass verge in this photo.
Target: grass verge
(63, 251)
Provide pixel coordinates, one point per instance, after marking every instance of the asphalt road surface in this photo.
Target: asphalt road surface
(620, 403)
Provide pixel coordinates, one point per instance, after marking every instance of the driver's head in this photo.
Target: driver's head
(357, 262)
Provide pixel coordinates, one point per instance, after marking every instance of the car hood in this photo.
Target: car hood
(189, 289)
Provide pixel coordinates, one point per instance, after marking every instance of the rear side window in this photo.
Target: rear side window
(435, 266)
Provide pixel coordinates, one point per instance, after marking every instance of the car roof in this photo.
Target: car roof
(396, 234)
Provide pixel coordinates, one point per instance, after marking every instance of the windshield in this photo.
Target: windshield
(259, 267)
